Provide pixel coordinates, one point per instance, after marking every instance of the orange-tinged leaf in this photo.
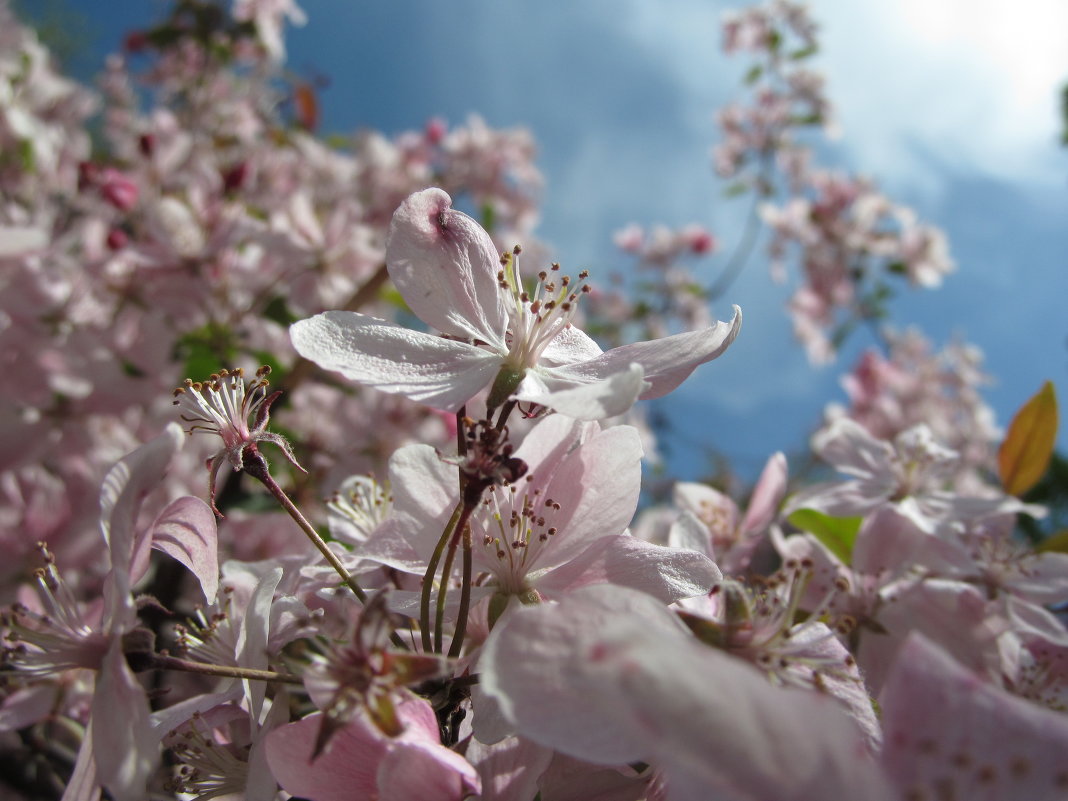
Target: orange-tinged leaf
(307, 106)
(1025, 453)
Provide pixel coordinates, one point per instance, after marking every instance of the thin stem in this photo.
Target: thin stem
(741, 254)
(461, 440)
(465, 600)
(428, 577)
(443, 588)
(506, 410)
(166, 662)
(312, 534)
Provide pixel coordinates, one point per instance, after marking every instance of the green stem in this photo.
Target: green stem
(506, 411)
(428, 577)
(443, 588)
(312, 534)
(465, 600)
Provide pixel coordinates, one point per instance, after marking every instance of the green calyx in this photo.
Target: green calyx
(506, 382)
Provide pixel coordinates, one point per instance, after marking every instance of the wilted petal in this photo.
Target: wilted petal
(438, 372)
(949, 734)
(445, 266)
(667, 362)
(187, 531)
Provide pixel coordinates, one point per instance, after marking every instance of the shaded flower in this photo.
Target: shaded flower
(222, 406)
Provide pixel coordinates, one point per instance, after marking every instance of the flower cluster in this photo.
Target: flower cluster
(849, 239)
(502, 614)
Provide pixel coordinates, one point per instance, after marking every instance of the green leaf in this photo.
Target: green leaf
(489, 216)
(804, 52)
(1055, 543)
(1025, 453)
(838, 534)
(279, 312)
(206, 350)
(753, 74)
(27, 160)
(736, 188)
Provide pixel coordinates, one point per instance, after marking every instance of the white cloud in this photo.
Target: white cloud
(969, 84)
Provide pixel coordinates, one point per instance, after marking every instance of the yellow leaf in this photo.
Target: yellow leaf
(1025, 453)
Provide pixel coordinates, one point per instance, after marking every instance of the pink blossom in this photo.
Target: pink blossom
(360, 762)
(559, 527)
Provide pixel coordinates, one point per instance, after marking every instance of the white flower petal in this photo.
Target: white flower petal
(438, 372)
(667, 361)
(609, 397)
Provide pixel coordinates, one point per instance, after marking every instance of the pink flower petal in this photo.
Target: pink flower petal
(668, 574)
(607, 676)
(187, 531)
(445, 266)
(509, 769)
(422, 771)
(767, 495)
(124, 746)
(344, 771)
(950, 734)
(124, 489)
(597, 487)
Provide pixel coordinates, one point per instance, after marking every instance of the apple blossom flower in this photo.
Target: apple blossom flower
(710, 521)
(363, 676)
(119, 750)
(763, 624)
(356, 509)
(909, 474)
(562, 525)
(495, 332)
(361, 762)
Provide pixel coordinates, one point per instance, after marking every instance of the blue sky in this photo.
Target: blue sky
(950, 106)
